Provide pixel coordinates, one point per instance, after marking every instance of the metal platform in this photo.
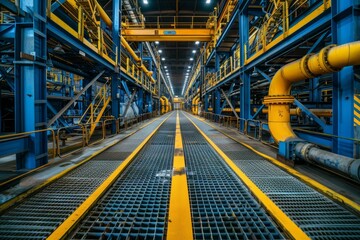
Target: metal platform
(318, 216)
(37, 216)
(136, 206)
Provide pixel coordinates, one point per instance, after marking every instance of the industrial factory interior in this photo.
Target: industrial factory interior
(180, 119)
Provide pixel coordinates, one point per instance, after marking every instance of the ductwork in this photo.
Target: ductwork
(330, 59)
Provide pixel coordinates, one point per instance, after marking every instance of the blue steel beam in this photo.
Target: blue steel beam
(12, 7)
(345, 28)
(57, 4)
(14, 146)
(312, 116)
(225, 102)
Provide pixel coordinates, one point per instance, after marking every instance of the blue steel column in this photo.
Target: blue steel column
(345, 29)
(30, 82)
(140, 100)
(206, 102)
(217, 99)
(244, 76)
(115, 99)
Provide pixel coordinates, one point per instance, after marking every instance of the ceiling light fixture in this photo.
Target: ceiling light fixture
(197, 42)
(146, 1)
(193, 51)
(189, 66)
(156, 42)
(163, 59)
(191, 59)
(160, 51)
(207, 1)
(165, 67)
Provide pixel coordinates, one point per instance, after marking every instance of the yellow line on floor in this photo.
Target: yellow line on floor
(24, 195)
(307, 180)
(281, 218)
(179, 221)
(69, 223)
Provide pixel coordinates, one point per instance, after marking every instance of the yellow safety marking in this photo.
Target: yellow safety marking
(179, 223)
(356, 98)
(307, 180)
(357, 122)
(281, 218)
(79, 213)
(357, 114)
(357, 107)
(19, 198)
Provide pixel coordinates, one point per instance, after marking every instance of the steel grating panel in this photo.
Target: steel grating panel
(136, 206)
(221, 206)
(315, 214)
(37, 216)
(259, 168)
(113, 155)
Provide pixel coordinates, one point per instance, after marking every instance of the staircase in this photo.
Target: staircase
(97, 108)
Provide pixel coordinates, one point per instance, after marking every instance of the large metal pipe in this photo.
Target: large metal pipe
(194, 102)
(297, 112)
(312, 153)
(329, 59)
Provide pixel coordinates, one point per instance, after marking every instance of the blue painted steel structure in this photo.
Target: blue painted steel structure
(338, 24)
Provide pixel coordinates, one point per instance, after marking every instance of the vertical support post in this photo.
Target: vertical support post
(345, 28)
(115, 99)
(30, 82)
(244, 76)
(206, 102)
(217, 99)
(140, 100)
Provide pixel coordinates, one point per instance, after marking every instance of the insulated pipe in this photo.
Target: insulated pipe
(329, 59)
(194, 104)
(312, 153)
(166, 104)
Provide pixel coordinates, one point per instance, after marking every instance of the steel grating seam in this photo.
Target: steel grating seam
(38, 215)
(310, 210)
(136, 206)
(222, 207)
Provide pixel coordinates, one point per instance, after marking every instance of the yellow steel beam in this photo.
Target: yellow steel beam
(281, 218)
(69, 223)
(309, 181)
(169, 35)
(179, 221)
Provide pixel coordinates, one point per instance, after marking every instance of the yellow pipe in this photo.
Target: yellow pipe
(162, 106)
(298, 112)
(166, 104)
(136, 58)
(329, 59)
(194, 104)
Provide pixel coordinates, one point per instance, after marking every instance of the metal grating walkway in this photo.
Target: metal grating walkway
(39, 215)
(136, 206)
(221, 206)
(318, 216)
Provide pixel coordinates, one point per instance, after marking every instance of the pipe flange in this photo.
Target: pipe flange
(304, 66)
(305, 150)
(278, 99)
(323, 60)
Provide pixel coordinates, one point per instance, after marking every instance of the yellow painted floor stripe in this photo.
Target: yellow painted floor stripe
(179, 223)
(281, 218)
(307, 180)
(24, 195)
(69, 223)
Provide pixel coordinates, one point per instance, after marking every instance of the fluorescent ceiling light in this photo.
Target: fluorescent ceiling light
(146, 1)
(207, 1)
(160, 51)
(191, 59)
(188, 70)
(193, 51)
(165, 67)
(163, 59)
(156, 42)
(189, 66)
(197, 42)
